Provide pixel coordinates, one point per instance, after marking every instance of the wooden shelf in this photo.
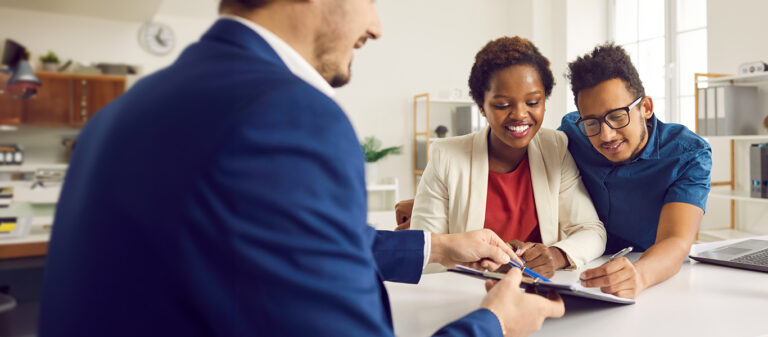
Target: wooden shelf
(424, 135)
(728, 80)
(735, 195)
(740, 137)
(31, 167)
(67, 75)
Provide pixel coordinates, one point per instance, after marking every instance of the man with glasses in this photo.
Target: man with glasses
(649, 180)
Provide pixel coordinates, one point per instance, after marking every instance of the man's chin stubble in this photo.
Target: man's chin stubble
(338, 80)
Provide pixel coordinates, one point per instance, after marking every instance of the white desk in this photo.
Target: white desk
(701, 300)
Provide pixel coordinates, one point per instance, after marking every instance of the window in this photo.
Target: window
(666, 61)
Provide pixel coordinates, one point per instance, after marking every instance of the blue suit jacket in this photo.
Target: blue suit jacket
(223, 196)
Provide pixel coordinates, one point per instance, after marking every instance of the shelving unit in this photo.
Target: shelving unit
(31, 167)
(425, 134)
(725, 79)
(727, 189)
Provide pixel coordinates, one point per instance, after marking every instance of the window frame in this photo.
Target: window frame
(672, 81)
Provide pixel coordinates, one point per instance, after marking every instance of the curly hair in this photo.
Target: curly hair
(605, 62)
(502, 53)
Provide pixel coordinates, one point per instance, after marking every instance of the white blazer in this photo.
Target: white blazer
(452, 193)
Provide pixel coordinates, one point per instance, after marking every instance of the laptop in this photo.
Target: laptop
(748, 254)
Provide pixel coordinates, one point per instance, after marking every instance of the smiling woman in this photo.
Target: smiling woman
(513, 177)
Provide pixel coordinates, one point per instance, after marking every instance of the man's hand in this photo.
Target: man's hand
(618, 277)
(481, 247)
(540, 258)
(403, 210)
(521, 313)
(678, 224)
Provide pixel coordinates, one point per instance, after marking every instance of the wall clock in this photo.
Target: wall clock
(157, 38)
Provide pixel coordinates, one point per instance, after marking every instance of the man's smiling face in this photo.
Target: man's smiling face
(616, 145)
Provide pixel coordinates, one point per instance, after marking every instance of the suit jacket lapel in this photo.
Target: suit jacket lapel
(478, 183)
(541, 193)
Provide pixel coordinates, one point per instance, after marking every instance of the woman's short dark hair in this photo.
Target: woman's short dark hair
(502, 53)
(605, 62)
(243, 4)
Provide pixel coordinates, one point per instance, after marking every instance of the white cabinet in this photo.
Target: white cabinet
(382, 196)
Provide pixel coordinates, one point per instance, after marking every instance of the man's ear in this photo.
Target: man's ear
(647, 107)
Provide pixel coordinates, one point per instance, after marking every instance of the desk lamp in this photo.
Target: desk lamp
(23, 82)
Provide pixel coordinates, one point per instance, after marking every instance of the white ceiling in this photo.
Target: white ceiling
(131, 10)
(204, 9)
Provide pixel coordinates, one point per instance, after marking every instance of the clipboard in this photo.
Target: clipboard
(542, 287)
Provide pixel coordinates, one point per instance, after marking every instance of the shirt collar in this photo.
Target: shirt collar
(292, 59)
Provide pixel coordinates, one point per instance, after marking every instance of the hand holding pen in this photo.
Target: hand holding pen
(618, 276)
(539, 257)
(526, 271)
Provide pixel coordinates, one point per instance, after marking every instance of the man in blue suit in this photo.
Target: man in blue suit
(224, 196)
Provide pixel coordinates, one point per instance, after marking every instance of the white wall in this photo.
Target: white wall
(587, 26)
(564, 30)
(549, 35)
(735, 35)
(736, 30)
(427, 46)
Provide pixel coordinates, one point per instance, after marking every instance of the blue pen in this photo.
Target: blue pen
(527, 271)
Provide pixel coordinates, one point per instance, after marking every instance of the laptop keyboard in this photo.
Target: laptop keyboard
(759, 258)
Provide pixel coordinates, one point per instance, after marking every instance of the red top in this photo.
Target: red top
(510, 210)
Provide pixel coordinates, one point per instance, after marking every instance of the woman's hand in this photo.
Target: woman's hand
(403, 212)
(540, 258)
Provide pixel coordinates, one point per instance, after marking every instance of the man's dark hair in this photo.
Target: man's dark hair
(242, 4)
(605, 62)
(502, 53)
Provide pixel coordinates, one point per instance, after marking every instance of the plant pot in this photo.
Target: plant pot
(371, 173)
(765, 123)
(50, 66)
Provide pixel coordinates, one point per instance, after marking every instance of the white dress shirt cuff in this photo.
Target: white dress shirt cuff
(427, 247)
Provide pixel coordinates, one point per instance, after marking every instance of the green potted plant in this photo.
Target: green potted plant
(373, 153)
(50, 61)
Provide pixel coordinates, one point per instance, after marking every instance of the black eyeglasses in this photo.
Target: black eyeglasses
(615, 119)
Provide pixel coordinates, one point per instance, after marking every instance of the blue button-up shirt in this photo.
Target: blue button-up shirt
(674, 166)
